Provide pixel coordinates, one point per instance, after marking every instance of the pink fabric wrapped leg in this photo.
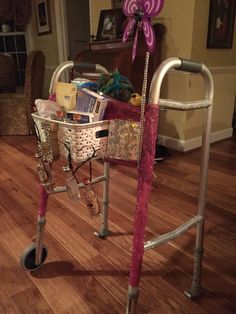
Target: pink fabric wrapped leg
(43, 201)
(145, 173)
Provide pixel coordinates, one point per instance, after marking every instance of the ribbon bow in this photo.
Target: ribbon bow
(139, 13)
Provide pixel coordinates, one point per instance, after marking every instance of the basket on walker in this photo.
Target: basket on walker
(81, 139)
(56, 137)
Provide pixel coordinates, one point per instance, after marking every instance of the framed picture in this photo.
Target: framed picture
(110, 24)
(43, 20)
(117, 4)
(221, 23)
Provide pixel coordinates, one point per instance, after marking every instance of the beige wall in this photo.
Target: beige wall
(177, 42)
(178, 19)
(186, 36)
(95, 7)
(212, 57)
(47, 43)
(224, 78)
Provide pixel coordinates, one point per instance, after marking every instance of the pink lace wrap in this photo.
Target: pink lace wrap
(43, 202)
(121, 110)
(145, 174)
(124, 111)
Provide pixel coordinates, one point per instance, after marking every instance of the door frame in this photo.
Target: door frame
(61, 27)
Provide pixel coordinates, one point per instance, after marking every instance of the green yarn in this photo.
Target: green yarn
(115, 85)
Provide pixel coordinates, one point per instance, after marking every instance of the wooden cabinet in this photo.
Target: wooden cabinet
(117, 55)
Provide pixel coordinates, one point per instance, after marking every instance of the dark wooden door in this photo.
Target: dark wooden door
(78, 23)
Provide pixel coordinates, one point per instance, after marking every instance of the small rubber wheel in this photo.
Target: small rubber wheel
(27, 259)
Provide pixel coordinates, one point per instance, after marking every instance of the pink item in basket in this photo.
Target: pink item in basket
(52, 97)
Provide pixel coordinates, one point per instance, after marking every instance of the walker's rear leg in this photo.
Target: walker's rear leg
(103, 232)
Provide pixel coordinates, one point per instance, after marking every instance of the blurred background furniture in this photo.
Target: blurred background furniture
(117, 54)
(7, 74)
(16, 108)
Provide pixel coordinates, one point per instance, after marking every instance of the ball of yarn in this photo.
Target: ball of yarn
(115, 85)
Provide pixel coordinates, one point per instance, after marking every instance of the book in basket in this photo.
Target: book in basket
(91, 104)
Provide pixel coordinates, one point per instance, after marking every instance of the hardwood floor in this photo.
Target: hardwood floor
(84, 274)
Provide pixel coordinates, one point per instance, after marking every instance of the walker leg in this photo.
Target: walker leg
(103, 232)
(39, 240)
(132, 299)
(145, 171)
(196, 288)
(36, 253)
(41, 225)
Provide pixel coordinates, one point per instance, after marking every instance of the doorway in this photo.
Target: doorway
(73, 27)
(78, 26)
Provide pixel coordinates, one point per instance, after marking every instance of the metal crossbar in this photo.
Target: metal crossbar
(172, 234)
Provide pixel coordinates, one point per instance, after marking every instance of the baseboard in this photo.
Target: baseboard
(184, 146)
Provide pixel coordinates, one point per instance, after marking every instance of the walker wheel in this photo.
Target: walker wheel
(27, 259)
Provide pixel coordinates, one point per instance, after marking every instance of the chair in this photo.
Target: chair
(16, 109)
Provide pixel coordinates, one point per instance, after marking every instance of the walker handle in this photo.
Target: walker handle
(189, 66)
(84, 67)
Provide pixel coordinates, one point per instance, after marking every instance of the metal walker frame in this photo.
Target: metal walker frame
(38, 252)
(198, 220)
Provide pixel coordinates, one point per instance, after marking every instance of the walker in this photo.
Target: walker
(96, 133)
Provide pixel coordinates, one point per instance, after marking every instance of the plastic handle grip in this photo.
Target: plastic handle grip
(84, 67)
(189, 66)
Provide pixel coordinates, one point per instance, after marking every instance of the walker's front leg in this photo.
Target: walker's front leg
(41, 225)
(132, 300)
(145, 172)
(36, 253)
(103, 232)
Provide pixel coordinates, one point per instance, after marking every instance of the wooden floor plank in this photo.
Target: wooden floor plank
(6, 304)
(31, 301)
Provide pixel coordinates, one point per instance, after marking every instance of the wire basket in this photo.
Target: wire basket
(81, 140)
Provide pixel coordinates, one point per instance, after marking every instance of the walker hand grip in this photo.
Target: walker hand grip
(84, 67)
(189, 66)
